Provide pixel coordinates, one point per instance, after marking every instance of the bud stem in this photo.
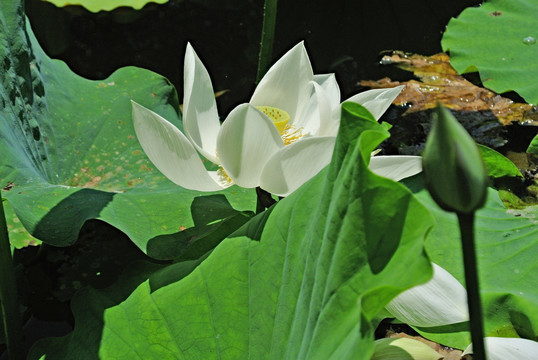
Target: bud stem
(466, 222)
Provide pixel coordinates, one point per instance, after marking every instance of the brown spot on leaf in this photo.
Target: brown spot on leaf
(496, 13)
(93, 182)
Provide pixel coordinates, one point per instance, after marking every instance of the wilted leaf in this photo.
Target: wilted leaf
(441, 83)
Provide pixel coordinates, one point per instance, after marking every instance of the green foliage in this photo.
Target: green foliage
(490, 39)
(331, 255)
(70, 152)
(105, 5)
(497, 164)
(506, 243)
(533, 146)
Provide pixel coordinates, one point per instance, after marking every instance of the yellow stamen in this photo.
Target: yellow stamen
(279, 117)
(223, 175)
(291, 135)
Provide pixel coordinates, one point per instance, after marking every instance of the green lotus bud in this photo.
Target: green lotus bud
(454, 172)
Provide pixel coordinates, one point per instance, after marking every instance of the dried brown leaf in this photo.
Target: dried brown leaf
(439, 82)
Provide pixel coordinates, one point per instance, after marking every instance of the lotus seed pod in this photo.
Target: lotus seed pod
(454, 172)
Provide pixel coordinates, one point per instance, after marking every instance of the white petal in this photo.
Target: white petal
(170, 151)
(200, 117)
(316, 118)
(508, 349)
(440, 301)
(297, 163)
(248, 138)
(287, 83)
(329, 84)
(377, 101)
(396, 167)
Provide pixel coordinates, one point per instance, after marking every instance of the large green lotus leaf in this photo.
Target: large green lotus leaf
(330, 256)
(69, 151)
(106, 5)
(506, 245)
(499, 39)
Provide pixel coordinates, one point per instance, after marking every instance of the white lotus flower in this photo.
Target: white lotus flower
(280, 139)
(443, 301)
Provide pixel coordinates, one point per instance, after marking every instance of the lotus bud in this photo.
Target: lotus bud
(454, 172)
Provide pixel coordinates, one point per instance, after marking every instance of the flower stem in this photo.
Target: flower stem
(267, 39)
(466, 222)
(265, 200)
(8, 294)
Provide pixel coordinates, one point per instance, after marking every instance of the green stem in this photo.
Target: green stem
(265, 200)
(466, 222)
(8, 294)
(268, 37)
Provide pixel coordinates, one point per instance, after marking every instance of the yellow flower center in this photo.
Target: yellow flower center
(278, 116)
(280, 119)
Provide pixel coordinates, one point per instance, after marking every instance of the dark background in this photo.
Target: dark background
(342, 36)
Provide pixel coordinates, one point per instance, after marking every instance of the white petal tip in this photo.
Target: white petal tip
(498, 348)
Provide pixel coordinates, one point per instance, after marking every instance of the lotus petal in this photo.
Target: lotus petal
(171, 152)
(287, 83)
(377, 101)
(246, 141)
(440, 301)
(295, 164)
(396, 167)
(330, 85)
(498, 348)
(200, 117)
(316, 116)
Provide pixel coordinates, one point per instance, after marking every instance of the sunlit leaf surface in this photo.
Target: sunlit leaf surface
(69, 151)
(330, 256)
(507, 244)
(105, 5)
(499, 39)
